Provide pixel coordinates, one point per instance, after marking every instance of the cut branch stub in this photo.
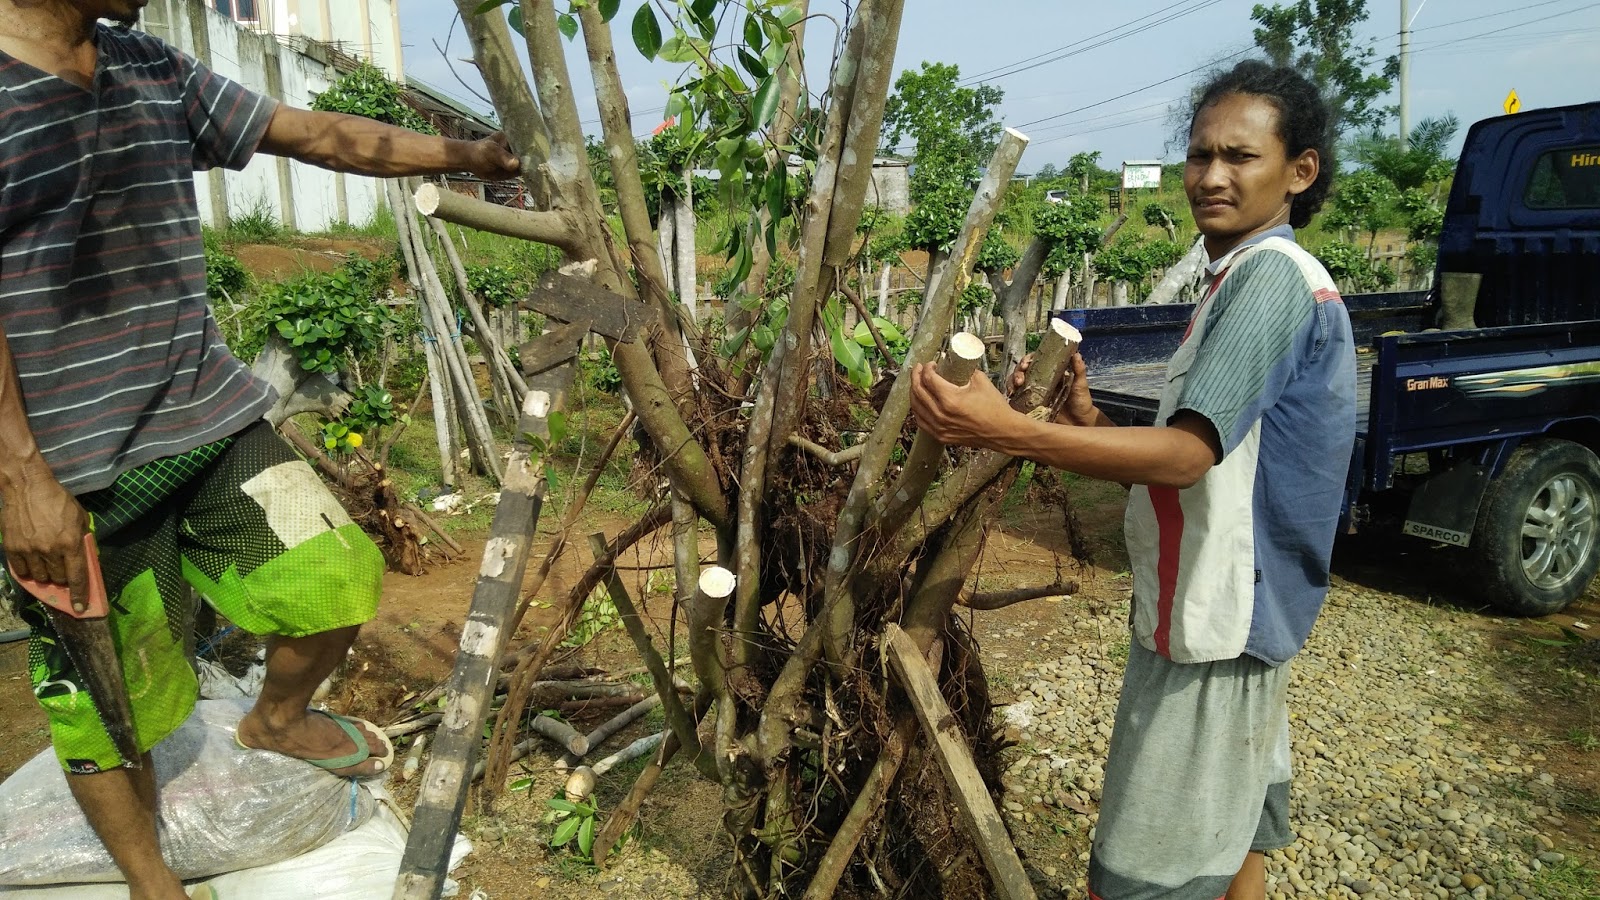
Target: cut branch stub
(923, 462)
(568, 299)
(1051, 363)
(544, 227)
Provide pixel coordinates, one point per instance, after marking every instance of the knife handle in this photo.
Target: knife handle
(59, 596)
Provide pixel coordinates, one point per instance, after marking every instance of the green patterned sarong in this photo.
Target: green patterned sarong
(250, 526)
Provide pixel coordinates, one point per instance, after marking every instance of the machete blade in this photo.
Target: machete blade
(88, 642)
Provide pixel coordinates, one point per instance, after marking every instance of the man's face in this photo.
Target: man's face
(125, 12)
(1238, 176)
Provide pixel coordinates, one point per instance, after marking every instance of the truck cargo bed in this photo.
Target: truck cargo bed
(1136, 390)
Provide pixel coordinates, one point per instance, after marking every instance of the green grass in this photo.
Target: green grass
(258, 224)
(380, 225)
(1566, 880)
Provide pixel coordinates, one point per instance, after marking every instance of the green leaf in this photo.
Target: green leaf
(762, 337)
(742, 262)
(734, 344)
(568, 25)
(565, 832)
(586, 835)
(681, 48)
(766, 102)
(487, 5)
(753, 38)
(608, 9)
(514, 18)
(789, 16)
(702, 9)
(521, 784)
(557, 422)
(561, 804)
(647, 32)
(753, 64)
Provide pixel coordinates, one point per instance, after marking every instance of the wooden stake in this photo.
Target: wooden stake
(505, 558)
(978, 815)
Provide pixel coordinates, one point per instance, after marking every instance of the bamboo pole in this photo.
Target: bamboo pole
(437, 316)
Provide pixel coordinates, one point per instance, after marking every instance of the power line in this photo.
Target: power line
(1025, 65)
(1496, 32)
(1136, 90)
(1504, 12)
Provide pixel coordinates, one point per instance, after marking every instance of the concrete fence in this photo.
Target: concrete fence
(299, 196)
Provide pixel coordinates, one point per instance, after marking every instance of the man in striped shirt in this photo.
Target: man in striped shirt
(118, 396)
(1236, 495)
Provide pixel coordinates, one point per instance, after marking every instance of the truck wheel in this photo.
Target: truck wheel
(1536, 536)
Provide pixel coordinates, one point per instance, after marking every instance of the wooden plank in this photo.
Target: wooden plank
(568, 299)
(978, 815)
(552, 348)
(467, 699)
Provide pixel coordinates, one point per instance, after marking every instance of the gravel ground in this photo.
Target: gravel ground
(1394, 794)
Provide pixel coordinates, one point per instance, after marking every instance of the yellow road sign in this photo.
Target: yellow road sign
(1513, 102)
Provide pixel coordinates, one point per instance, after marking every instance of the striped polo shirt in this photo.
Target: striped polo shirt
(1238, 563)
(102, 271)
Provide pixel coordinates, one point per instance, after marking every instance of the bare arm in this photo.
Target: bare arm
(41, 523)
(976, 415)
(363, 146)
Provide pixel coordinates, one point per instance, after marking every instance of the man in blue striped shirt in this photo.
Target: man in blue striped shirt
(120, 405)
(1231, 517)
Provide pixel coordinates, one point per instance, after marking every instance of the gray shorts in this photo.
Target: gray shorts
(1197, 776)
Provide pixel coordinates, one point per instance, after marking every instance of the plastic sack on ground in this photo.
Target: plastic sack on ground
(222, 809)
(360, 865)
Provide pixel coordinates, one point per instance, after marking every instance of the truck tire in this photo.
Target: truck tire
(1537, 539)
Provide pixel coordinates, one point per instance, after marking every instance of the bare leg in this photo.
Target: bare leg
(121, 807)
(1251, 881)
(279, 721)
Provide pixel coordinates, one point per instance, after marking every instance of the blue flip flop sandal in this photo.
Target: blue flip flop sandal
(362, 753)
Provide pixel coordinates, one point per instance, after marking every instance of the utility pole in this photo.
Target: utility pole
(1406, 18)
(1405, 73)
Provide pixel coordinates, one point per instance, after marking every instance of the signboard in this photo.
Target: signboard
(1513, 103)
(1141, 174)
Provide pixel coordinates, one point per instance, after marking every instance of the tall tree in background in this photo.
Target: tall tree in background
(953, 127)
(1317, 37)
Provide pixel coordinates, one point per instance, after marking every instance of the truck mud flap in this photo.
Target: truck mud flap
(1445, 507)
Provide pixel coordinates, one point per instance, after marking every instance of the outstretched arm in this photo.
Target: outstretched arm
(41, 523)
(363, 146)
(977, 415)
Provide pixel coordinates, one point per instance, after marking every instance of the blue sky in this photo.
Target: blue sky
(1121, 65)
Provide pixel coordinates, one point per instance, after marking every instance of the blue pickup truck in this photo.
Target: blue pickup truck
(1479, 418)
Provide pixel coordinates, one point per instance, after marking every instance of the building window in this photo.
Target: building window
(238, 10)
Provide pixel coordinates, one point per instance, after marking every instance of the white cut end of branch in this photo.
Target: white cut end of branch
(536, 404)
(1017, 134)
(717, 582)
(427, 199)
(966, 345)
(580, 784)
(1068, 333)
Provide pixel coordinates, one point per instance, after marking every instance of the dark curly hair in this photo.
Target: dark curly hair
(1304, 122)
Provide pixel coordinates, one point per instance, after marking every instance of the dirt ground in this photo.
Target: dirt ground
(679, 851)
